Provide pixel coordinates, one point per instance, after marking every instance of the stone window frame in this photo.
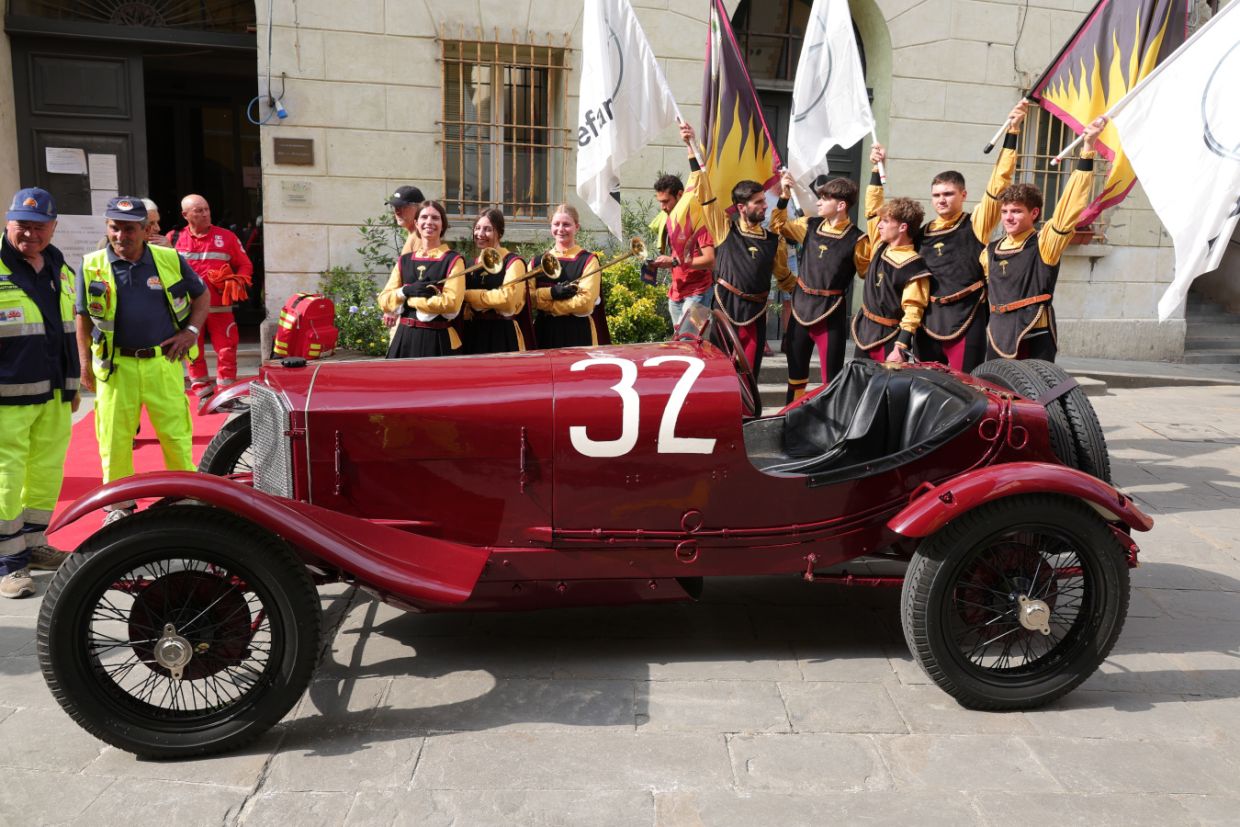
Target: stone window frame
(508, 150)
(1041, 139)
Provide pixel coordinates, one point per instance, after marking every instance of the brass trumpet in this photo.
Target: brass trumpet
(637, 249)
(548, 265)
(491, 262)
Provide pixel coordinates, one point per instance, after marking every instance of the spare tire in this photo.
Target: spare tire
(1091, 446)
(1020, 377)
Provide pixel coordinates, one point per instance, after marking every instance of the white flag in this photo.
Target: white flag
(625, 102)
(1182, 133)
(830, 106)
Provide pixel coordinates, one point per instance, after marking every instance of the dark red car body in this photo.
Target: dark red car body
(588, 476)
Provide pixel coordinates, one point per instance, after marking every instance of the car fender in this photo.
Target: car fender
(391, 560)
(238, 389)
(932, 506)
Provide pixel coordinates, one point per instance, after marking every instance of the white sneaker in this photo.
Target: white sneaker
(17, 584)
(116, 514)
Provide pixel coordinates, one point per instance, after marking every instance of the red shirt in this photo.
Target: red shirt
(211, 250)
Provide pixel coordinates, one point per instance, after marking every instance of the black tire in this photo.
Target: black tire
(1091, 445)
(959, 605)
(243, 606)
(229, 450)
(1021, 378)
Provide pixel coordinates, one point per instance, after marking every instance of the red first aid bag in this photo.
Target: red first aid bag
(307, 327)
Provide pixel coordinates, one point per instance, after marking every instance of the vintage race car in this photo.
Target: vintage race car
(592, 476)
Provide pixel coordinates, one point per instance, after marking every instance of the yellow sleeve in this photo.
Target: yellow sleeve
(411, 240)
(712, 211)
(1057, 233)
(794, 230)
(588, 287)
(873, 203)
(986, 216)
(863, 251)
(783, 276)
(508, 299)
(451, 293)
(984, 258)
(391, 299)
(914, 300)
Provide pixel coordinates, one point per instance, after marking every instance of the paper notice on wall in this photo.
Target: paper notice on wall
(103, 172)
(65, 160)
(99, 200)
(77, 235)
(295, 193)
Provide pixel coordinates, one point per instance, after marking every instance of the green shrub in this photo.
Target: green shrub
(358, 317)
(636, 311)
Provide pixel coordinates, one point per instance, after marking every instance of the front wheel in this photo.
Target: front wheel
(1017, 602)
(179, 632)
(230, 450)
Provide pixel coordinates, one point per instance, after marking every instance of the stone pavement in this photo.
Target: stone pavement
(771, 702)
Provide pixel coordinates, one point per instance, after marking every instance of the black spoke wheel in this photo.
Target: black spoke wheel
(1017, 602)
(727, 341)
(179, 632)
(230, 450)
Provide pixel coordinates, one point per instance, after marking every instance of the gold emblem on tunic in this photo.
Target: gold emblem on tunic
(753, 252)
(938, 248)
(822, 248)
(1003, 268)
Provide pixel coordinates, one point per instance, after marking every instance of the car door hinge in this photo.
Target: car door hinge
(523, 477)
(339, 460)
(295, 433)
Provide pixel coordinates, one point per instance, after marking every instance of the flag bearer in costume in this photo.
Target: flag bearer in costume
(685, 244)
(140, 312)
(897, 284)
(835, 251)
(953, 331)
(747, 255)
(38, 387)
(499, 316)
(1022, 267)
(570, 308)
(426, 290)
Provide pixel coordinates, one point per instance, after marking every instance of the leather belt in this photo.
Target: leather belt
(756, 298)
(959, 294)
(814, 292)
(1019, 303)
(883, 320)
(140, 352)
(440, 325)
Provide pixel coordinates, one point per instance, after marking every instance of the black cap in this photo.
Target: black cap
(125, 208)
(404, 196)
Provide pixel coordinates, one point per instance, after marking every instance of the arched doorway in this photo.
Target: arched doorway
(770, 34)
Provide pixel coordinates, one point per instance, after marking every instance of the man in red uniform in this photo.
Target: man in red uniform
(218, 258)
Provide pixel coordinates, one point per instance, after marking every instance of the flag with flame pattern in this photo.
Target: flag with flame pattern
(738, 145)
(1119, 43)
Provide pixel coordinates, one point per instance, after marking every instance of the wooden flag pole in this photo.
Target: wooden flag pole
(882, 168)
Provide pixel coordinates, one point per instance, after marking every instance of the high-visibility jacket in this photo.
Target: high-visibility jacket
(26, 365)
(101, 302)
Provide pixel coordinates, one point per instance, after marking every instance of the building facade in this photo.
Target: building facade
(475, 102)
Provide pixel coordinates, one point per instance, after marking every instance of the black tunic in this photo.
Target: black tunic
(1022, 278)
(958, 290)
(489, 331)
(827, 266)
(884, 288)
(411, 340)
(551, 330)
(745, 263)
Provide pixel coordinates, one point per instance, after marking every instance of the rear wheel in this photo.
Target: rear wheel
(230, 450)
(1021, 378)
(1017, 602)
(1091, 446)
(179, 632)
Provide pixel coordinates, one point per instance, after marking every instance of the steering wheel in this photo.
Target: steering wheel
(730, 344)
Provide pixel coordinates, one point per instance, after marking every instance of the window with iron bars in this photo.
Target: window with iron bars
(1043, 136)
(504, 136)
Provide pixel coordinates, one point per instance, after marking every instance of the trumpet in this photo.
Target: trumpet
(490, 261)
(637, 249)
(548, 265)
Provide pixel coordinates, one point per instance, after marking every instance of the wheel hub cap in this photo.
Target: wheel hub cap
(1034, 615)
(173, 652)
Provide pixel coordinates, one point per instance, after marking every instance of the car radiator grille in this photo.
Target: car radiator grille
(269, 425)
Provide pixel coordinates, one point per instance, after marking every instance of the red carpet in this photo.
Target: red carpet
(83, 472)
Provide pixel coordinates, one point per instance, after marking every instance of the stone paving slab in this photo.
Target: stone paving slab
(771, 702)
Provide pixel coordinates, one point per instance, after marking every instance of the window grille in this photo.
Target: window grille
(504, 138)
(1043, 136)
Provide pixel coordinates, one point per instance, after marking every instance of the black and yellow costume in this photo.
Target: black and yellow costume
(425, 326)
(833, 254)
(1021, 273)
(496, 307)
(895, 294)
(746, 257)
(580, 319)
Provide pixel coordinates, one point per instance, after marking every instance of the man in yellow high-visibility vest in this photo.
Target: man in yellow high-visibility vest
(140, 310)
